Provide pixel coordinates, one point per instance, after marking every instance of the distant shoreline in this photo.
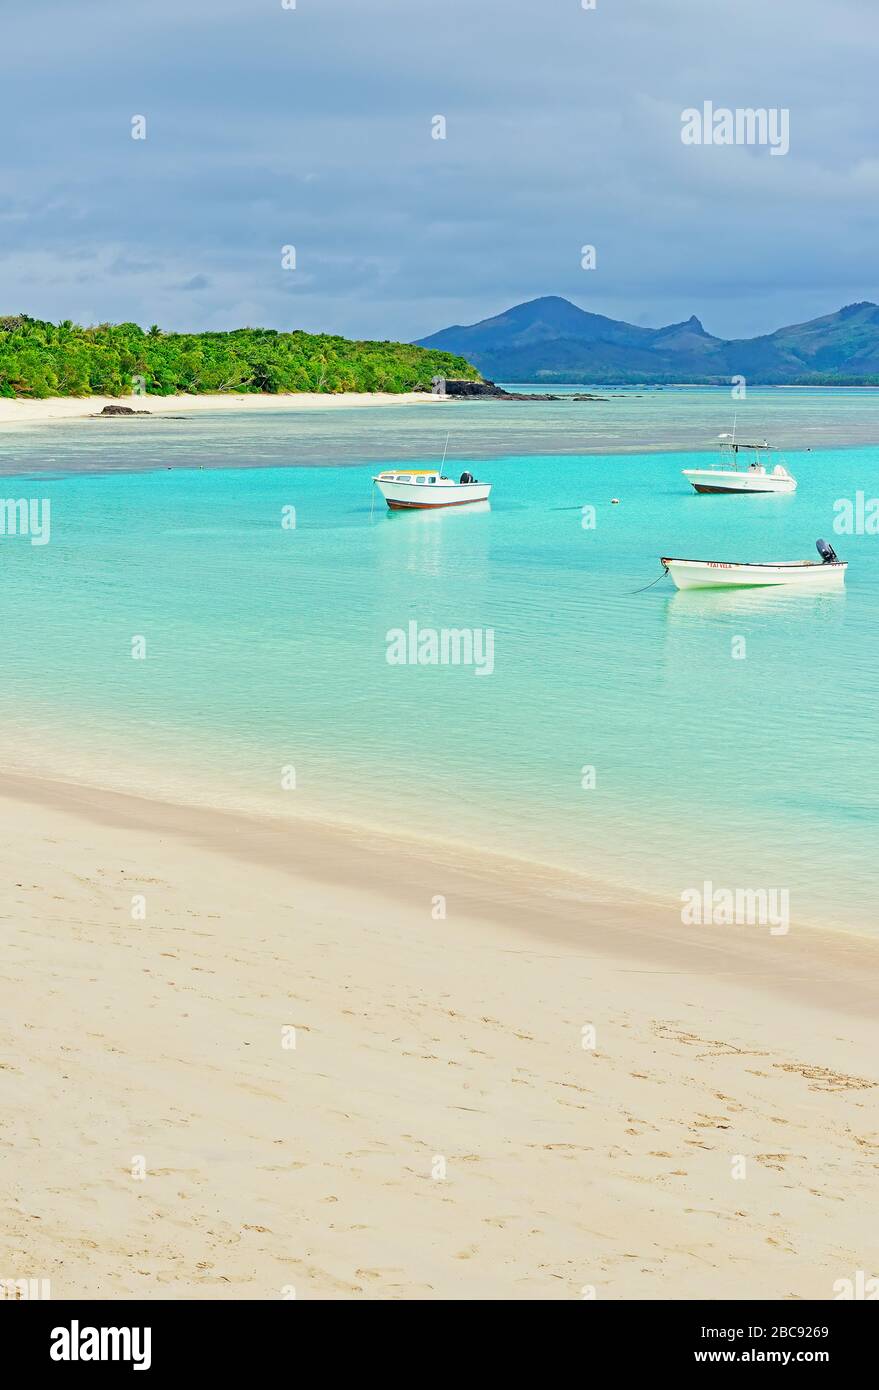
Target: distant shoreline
(778, 386)
(25, 411)
(693, 385)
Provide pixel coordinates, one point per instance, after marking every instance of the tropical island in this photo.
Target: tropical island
(39, 360)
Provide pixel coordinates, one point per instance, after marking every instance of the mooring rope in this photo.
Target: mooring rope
(665, 571)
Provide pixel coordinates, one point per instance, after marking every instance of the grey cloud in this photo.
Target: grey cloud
(195, 282)
(268, 127)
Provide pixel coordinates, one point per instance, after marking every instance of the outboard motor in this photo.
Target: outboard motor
(467, 478)
(827, 553)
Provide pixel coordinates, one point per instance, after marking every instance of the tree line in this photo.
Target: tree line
(39, 359)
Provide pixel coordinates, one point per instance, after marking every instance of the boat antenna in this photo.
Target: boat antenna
(445, 447)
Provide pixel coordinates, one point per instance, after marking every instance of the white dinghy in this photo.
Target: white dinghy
(826, 573)
(422, 488)
(426, 489)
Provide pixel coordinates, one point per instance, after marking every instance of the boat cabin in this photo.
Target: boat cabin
(425, 476)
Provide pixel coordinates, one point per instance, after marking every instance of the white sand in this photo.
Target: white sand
(27, 412)
(418, 1040)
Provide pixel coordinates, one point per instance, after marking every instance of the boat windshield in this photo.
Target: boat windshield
(731, 450)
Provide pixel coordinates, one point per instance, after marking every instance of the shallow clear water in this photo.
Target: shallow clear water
(267, 647)
(628, 420)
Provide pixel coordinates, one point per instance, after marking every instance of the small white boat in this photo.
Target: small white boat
(826, 573)
(753, 476)
(418, 488)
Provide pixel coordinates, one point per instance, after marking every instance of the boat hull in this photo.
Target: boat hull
(715, 480)
(430, 497)
(715, 574)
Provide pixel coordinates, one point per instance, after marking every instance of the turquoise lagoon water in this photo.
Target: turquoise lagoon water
(266, 647)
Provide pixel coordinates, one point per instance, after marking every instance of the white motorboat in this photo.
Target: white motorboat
(407, 488)
(741, 469)
(826, 573)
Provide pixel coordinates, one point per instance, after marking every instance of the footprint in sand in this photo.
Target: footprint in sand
(825, 1079)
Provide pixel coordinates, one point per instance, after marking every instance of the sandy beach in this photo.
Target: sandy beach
(34, 412)
(439, 1130)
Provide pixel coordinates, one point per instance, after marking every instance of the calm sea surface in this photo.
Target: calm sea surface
(266, 645)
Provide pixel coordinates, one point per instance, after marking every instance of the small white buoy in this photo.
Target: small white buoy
(614, 501)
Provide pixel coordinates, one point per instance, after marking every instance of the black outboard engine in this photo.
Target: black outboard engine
(467, 478)
(827, 553)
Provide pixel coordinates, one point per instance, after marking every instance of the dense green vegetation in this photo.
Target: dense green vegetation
(46, 359)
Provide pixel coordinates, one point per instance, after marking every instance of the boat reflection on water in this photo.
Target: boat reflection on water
(708, 632)
(434, 516)
(422, 542)
(694, 605)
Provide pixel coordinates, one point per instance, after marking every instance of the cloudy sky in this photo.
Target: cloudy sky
(311, 127)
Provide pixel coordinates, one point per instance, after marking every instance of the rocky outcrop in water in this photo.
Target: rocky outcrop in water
(461, 388)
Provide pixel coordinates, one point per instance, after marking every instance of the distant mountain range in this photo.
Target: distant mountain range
(552, 340)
